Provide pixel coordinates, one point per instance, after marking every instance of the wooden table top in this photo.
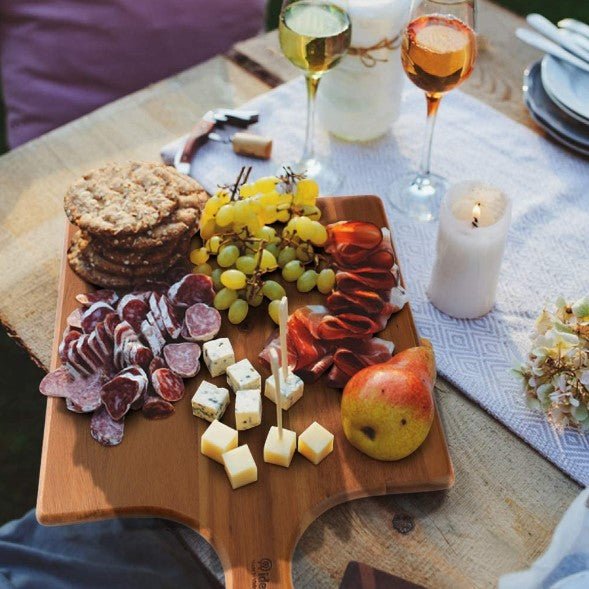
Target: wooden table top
(507, 499)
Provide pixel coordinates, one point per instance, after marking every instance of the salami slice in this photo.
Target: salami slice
(169, 319)
(124, 335)
(157, 362)
(85, 396)
(139, 375)
(74, 319)
(185, 335)
(119, 393)
(104, 341)
(167, 385)
(193, 288)
(137, 405)
(153, 337)
(183, 359)
(68, 340)
(86, 354)
(75, 364)
(133, 310)
(157, 408)
(104, 429)
(57, 383)
(94, 315)
(110, 323)
(137, 354)
(156, 313)
(87, 299)
(202, 322)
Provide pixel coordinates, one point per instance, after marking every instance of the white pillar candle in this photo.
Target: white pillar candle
(474, 221)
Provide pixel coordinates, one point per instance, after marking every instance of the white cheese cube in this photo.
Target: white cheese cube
(240, 467)
(218, 439)
(315, 443)
(291, 390)
(218, 355)
(210, 401)
(279, 450)
(243, 376)
(248, 408)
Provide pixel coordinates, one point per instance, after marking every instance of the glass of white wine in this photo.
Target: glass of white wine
(314, 36)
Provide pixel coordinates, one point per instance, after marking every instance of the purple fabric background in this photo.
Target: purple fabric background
(61, 59)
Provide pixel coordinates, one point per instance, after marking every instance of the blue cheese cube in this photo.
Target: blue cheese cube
(291, 390)
(243, 376)
(210, 401)
(218, 355)
(248, 408)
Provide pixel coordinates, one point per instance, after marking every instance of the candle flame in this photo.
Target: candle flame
(476, 214)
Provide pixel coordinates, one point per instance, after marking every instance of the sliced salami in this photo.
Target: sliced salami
(157, 408)
(202, 322)
(87, 299)
(169, 319)
(167, 385)
(137, 354)
(104, 341)
(185, 335)
(193, 288)
(85, 396)
(104, 429)
(94, 315)
(157, 362)
(86, 354)
(124, 336)
(153, 337)
(133, 310)
(58, 383)
(75, 364)
(110, 323)
(140, 401)
(138, 374)
(74, 319)
(183, 359)
(119, 393)
(68, 340)
(156, 313)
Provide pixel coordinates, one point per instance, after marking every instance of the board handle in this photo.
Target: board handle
(263, 572)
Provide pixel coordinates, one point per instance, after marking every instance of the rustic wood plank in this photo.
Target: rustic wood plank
(35, 176)
(496, 80)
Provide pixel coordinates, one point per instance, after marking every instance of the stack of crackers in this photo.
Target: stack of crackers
(135, 222)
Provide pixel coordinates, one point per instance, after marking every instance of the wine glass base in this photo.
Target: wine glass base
(418, 196)
(328, 179)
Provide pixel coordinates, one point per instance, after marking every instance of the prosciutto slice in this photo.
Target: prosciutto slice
(366, 279)
(349, 325)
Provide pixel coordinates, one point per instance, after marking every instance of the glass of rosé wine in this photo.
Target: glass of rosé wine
(438, 53)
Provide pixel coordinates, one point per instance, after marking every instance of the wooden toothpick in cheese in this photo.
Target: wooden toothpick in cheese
(210, 401)
(291, 390)
(248, 409)
(243, 375)
(315, 443)
(240, 466)
(280, 450)
(218, 355)
(218, 439)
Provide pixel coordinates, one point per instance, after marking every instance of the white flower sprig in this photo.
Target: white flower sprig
(555, 374)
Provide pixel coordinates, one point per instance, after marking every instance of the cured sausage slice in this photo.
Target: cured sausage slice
(74, 319)
(85, 396)
(135, 353)
(110, 323)
(133, 310)
(167, 385)
(104, 429)
(87, 299)
(75, 365)
(58, 383)
(347, 325)
(183, 359)
(104, 341)
(156, 313)
(202, 322)
(169, 319)
(157, 362)
(157, 408)
(68, 340)
(153, 337)
(94, 314)
(119, 393)
(193, 288)
(124, 335)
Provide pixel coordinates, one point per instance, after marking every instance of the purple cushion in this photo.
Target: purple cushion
(60, 59)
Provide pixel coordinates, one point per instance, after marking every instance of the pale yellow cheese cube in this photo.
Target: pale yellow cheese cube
(240, 466)
(218, 439)
(280, 450)
(315, 443)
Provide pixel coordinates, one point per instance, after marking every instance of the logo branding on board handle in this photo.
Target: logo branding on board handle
(261, 573)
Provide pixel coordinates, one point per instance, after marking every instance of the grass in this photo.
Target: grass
(21, 407)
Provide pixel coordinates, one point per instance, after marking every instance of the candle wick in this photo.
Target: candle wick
(475, 219)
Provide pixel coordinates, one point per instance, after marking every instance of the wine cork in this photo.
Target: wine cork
(252, 145)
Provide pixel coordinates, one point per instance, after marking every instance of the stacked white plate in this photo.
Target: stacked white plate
(557, 96)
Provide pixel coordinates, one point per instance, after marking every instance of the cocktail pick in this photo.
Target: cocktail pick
(276, 375)
(283, 327)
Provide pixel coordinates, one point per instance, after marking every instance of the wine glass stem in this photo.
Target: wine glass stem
(433, 102)
(312, 85)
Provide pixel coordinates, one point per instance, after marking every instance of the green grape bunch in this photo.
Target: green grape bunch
(253, 230)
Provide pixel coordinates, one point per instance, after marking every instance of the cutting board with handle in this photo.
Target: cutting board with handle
(159, 471)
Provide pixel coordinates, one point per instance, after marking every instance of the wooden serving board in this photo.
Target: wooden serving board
(158, 469)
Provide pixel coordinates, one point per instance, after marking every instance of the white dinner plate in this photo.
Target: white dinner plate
(568, 86)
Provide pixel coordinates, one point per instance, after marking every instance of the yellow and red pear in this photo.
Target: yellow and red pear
(388, 409)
